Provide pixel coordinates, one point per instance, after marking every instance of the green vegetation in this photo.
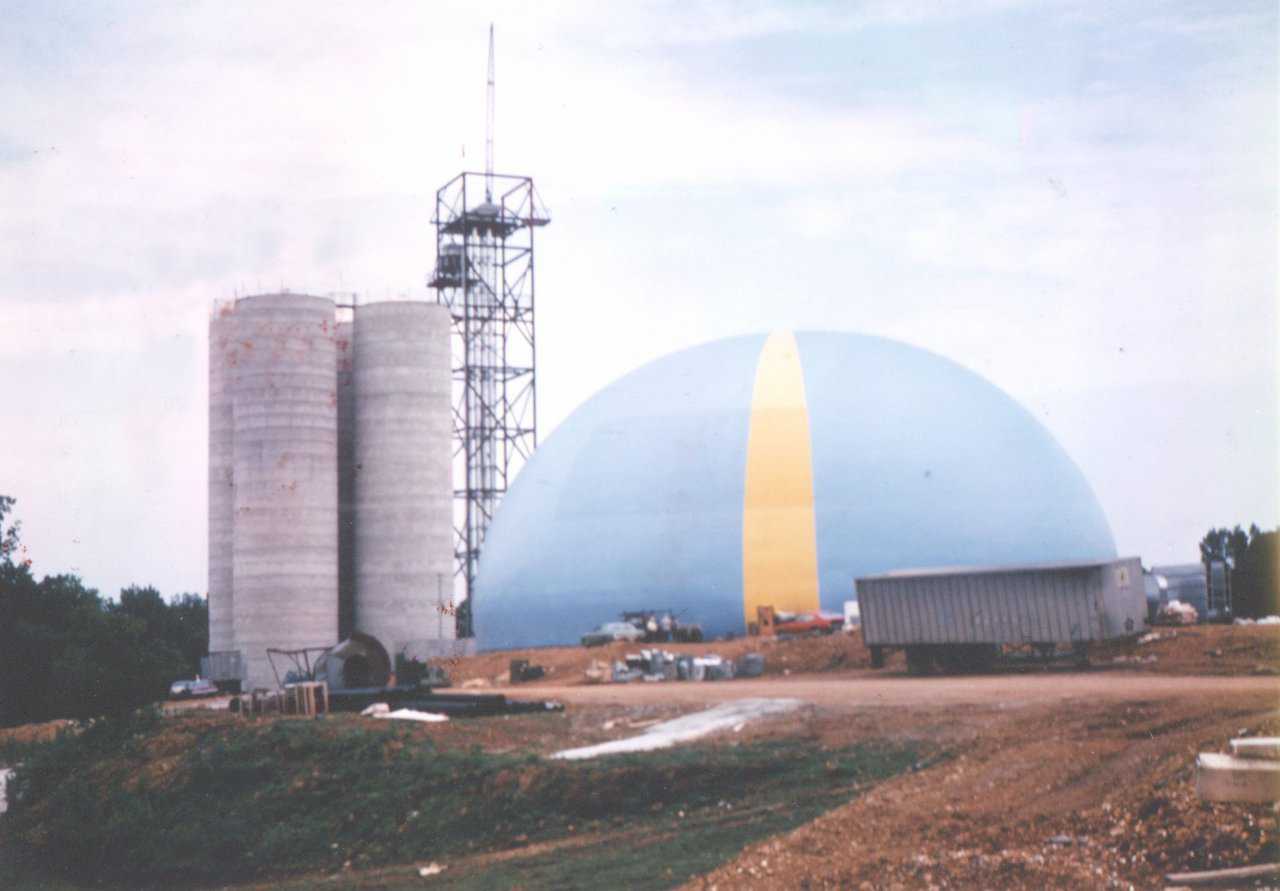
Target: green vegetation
(163, 802)
(67, 653)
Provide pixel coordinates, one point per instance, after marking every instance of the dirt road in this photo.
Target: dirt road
(871, 689)
(1099, 793)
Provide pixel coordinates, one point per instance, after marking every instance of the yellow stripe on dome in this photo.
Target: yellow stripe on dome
(779, 534)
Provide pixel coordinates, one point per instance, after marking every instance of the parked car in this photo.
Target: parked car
(192, 689)
(810, 623)
(611, 631)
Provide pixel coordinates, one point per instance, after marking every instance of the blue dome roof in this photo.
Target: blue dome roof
(773, 469)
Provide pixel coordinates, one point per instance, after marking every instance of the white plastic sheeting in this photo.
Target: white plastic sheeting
(382, 710)
(728, 716)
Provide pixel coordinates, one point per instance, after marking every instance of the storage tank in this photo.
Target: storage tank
(284, 553)
(344, 347)
(773, 469)
(403, 484)
(222, 360)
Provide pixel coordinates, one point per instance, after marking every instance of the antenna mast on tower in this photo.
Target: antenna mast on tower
(484, 274)
(488, 126)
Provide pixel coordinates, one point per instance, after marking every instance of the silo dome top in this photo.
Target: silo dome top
(774, 469)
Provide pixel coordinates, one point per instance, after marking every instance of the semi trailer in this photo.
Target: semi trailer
(969, 617)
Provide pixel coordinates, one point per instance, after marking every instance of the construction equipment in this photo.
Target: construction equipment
(766, 621)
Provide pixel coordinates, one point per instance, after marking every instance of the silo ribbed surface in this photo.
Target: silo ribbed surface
(222, 358)
(285, 555)
(345, 349)
(403, 485)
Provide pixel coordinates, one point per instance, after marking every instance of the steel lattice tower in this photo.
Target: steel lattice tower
(484, 274)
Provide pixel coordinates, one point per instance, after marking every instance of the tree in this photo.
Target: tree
(1255, 580)
(66, 653)
(1225, 544)
(8, 537)
(1251, 560)
(182, 623)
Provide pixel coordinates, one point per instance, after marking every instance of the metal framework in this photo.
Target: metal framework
(484, 274)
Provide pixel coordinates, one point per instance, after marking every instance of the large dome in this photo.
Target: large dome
(773, 469)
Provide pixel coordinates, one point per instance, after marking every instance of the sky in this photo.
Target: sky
(1077, 200)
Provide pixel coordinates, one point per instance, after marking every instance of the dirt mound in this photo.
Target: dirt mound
(25, 734)
(1089, 795)
(568, 665)
(1198, 649)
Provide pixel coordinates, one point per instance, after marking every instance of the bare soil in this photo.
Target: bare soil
(1093, 792)
(1200, 649)
(33, 733)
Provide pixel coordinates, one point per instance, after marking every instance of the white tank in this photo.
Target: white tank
(403, 485)
(222, 359)
(284, 552)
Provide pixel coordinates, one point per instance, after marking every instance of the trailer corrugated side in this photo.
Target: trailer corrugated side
(1037, 605)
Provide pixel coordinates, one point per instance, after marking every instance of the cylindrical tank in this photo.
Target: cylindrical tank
(284, 553)
(403, 487)
(345, 349)
(222, 360)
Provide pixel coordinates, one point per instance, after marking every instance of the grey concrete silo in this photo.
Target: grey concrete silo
(284, 554)
(345, 348)
(403, 485)
(222, 359)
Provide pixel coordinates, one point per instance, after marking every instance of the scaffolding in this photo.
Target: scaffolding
(484, 275)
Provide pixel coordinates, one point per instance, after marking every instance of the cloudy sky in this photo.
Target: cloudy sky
(1075, 199)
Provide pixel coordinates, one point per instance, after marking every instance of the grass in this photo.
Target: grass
(14, 751)
(133, 804)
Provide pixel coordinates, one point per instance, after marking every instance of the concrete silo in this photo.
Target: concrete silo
(284, 554)
(345, 349)
(402, 479)
(222, 360)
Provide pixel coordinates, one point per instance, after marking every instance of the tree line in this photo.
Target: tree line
(1253, 561)
(67, 652)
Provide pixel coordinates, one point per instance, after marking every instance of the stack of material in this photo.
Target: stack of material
(1251, 773)
(661, 665)
(598, 672)
(711, 668)
(521, 671)
(308, 698)
(751, 665)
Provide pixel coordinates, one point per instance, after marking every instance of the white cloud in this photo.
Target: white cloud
(153, 159)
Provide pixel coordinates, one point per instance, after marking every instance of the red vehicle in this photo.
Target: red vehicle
(810, 623)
